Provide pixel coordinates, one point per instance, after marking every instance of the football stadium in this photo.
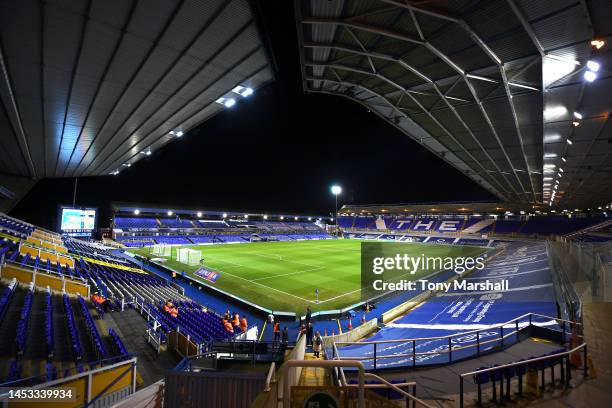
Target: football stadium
(307, 203)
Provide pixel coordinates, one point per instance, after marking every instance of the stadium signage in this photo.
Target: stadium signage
(210, 276)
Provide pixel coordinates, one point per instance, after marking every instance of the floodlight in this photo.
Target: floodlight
(170, 213)
(593, 65)
(576, 123)
(179, 133)
(199, 214)
(563, 158)
(578, 115)
(229, 103)
(282, 218)
(224, 215)
(590, 76)
(598, 43)
(309, 218)
(136, 212)
(569, 142)
(554, 112)
(265, 217)
(295, 218)
(243, 91)
(246, 215)
(336, 190)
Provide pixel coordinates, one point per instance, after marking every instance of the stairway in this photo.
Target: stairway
(131, 327)
(472, 229)
(590, 228)
(314, 376)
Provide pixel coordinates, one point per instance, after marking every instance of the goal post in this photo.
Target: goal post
(162, 250)
(188, 256)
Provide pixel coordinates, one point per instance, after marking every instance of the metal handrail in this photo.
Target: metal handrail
(396, 388)
(325, 364)
(271, 375)
(523, 362)
(503, 367)
(526, 315)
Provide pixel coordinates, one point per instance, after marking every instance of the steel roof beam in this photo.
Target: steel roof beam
(363, 27)
(14, 115)
(394, 107)
(119, 160)
(132, 78)
(433, 118)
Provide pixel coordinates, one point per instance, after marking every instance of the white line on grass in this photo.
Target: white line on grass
(316, 268)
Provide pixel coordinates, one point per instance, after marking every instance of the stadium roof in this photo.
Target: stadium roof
(488, 86)
(125, 209)
(455, 208)
(91, 86)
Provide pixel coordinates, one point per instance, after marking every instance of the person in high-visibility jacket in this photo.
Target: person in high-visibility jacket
(276, 332)
(100, 300)
(243, 323)
(228, 326)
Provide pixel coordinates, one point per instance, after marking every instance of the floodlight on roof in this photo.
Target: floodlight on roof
(265, 217)
(309, 218)
(179, 133)
(282, 218)
(224, 215)
(554, 112)
(592, 65)
(563, 158)
(246, 215)
(243, 91)
(227, 102)
(569, 142)
(170, 213)
(199, 214)
(136, 212)
(578, 115)
(590, 76)
(295, 218)
(598, 43)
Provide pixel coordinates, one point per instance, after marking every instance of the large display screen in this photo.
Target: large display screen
(77, 220)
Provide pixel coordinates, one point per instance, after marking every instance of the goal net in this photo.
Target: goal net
(162, 250)
(188, 256)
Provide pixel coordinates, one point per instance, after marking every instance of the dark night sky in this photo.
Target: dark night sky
(279, 150)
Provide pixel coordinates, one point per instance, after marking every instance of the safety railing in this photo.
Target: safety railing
(478, 339)
(504, 373)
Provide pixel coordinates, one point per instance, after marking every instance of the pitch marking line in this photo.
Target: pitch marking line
(316, 268)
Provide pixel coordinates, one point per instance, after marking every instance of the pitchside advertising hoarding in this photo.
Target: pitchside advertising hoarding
(77, 221)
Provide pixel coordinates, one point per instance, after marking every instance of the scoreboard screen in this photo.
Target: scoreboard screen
(77, 221)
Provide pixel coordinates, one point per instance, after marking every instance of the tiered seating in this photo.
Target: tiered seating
(119, 347)
(135, 222)
(201, 326)
(49, 339)
(212, 224)
(93, 331)
(175, 223)
(559, 225)
(22, 325)
(6, 297)
(7, 223)
(77, 350)
(365, 222)
(507, 226)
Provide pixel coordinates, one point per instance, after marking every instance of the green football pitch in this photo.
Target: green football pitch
(284, 276)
